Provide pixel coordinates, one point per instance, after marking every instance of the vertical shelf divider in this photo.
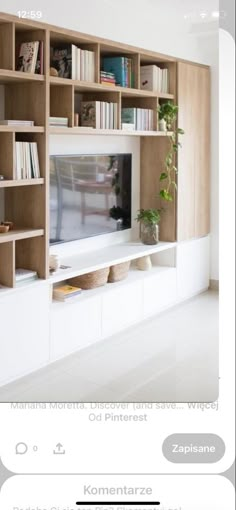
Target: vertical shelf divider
(136, 60)
(7, 155)
(7, 264)
(7, 42)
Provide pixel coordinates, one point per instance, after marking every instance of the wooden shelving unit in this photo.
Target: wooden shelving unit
(21, 182)
(119, 132)
(36, 97)
(22, 129)
(17, 235)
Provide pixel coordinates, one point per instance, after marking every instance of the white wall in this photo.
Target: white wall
(161, 25)
(209, 46)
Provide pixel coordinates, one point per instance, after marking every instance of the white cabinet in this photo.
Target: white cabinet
(74, 325)
(24, 331)
(159, 291)
(192, 267)
(121, 306)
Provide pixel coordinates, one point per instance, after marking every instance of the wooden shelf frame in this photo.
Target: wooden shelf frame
(112, 132)
(13, 183)
(33, 97)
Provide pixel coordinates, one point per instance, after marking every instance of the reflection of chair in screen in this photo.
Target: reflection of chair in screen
(64, 181)
(94, 187)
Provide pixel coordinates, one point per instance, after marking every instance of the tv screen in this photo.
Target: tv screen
(89, 195)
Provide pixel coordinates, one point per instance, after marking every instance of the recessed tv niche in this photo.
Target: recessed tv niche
(89, 195)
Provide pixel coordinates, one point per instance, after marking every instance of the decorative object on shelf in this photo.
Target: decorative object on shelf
(168, 113)
(4, 229)
(91, 280)
(119, 272)
(53, 71)
(149, 228)
(76, 120)
(9, 224)
(162, 125)
(54, 263)
(144, 263)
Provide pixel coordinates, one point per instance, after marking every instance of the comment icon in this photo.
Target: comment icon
(21, 448)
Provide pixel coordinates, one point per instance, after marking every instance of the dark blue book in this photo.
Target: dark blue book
(116, 65)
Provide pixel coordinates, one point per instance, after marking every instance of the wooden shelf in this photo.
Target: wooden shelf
(83, 86)
(114, 132)
(7, 76)
(18, 234)
(21, 182)
(22, 129)
(92, 261)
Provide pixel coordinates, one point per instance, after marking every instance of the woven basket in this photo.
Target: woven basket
(91, 280)
(118, 272)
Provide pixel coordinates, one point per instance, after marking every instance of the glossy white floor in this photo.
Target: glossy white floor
(170, 357)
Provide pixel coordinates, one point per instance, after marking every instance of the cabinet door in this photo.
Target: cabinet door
(24, 332)
(74, 325)
(193, 157)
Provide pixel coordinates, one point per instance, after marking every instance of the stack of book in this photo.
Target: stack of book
(154, 78)
(58, 121)
(72, 62)
(122, 68)
(26, 123)
(23, 276)
(107, 78)
(137, 119)
(30, 58)
(99, 114)
(27, 161)
(65, 292)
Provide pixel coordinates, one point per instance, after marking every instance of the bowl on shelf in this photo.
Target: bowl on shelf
(119, 272)
(8, 224)
(4, 229)
(91, 280)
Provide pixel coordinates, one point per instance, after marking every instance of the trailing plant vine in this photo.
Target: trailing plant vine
(168, 111)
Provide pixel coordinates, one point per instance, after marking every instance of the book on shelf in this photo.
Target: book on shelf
(128, 126)
(58, 121)
(39, 61)
(122, 68)
(65, 292)
(73, 62)
(154, 78)
(30, 58)
(27, 161)
(12, 122)
(99, 114)
(25, 276)
(107, 78)
(141, 118)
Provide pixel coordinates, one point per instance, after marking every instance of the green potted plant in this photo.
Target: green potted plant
(149, 225)
(168, 113)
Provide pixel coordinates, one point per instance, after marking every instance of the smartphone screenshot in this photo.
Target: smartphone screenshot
(117, 255)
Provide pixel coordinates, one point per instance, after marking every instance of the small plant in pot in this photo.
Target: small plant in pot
(149, 225)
